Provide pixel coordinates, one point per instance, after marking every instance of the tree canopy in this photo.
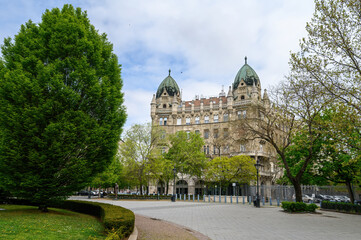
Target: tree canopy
(61, 106)
(186, 153)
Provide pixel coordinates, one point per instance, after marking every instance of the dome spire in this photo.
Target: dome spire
(169, 72)
(245, 60)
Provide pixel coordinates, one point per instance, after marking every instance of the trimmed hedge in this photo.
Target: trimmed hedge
(140, 197)
(298, 207)
(342, 207)
(118, 221)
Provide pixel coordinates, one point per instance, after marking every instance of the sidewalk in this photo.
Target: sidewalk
(238, 221)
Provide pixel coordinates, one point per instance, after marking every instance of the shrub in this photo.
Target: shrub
(298, 207)
(342, 207)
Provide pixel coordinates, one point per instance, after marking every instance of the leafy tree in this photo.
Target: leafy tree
(331, 52)
(113, 174)
(61, 112)
(339, 161)
(140, 146)
(297, 104)
(224, 170)
(186, 153)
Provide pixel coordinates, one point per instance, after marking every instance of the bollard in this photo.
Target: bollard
(180, 196)
(250, 200)
(270, 201)
(263, 200)
(225, 198)
(278, 202)
(198, 197)
(193, 197)
(220, 198)
(209, 198)
(214, 199)
(231, 199)
(204, 197)
(243, 200)
(176, 197)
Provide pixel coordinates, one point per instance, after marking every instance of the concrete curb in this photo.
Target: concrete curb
(134, 235)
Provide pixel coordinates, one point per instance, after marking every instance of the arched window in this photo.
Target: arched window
(206, 119)
(188, 121)
(164, 105)
(197, 120)
(179, 121)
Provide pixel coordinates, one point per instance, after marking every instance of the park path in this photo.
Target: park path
(238, 221)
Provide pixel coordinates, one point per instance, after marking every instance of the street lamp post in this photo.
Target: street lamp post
(174, 186)
(257, 202)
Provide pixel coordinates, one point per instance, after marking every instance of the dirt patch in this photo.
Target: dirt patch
(157, 229)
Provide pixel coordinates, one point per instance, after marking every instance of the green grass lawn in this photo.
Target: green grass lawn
(26, 222)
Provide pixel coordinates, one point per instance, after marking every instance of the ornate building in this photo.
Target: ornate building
(212, 118)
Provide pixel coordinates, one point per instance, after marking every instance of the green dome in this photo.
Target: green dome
(170, 85)
(247, 74)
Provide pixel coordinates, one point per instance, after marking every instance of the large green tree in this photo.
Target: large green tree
(61, 106)
(186, 152)
(224, 170)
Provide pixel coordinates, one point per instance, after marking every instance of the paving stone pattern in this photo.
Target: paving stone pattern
(238, 221)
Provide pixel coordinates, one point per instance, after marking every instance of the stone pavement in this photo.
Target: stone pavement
(232, 221)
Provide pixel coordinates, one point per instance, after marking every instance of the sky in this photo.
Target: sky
(203, 42)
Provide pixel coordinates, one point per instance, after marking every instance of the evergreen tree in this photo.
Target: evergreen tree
(61, 112)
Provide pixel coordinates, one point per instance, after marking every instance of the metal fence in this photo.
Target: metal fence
(287, 192)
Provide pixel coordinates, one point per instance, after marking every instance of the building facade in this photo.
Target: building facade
(212, 118)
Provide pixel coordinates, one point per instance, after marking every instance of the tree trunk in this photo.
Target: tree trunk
(99, 191)
(350, 191)
(167, 188)
(298, 190)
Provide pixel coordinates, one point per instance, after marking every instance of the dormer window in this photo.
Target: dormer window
(164, 105)
(164, 94)
(242, 97)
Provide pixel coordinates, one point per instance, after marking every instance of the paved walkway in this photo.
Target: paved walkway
(232, 221)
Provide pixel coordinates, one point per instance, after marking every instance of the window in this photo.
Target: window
(188, 121)
(215, 133)
(214, 149)
(215, 118)
(179, 121)
(261, 148)
(225, 132)
(188, 132)
(160, 121)
(242, 97)
(208, 150)
(206, 119)
(242, 114)
(165, 121)
(206, 134)
(225, 117)
(242, 148)
(225, 149)
(204, 149)
(197, 132)
(164, 105)
(197, 120)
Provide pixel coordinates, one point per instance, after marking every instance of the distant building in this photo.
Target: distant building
(212, 118)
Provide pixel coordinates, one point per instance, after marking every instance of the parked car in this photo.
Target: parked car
(307, 198)
(82, 193)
